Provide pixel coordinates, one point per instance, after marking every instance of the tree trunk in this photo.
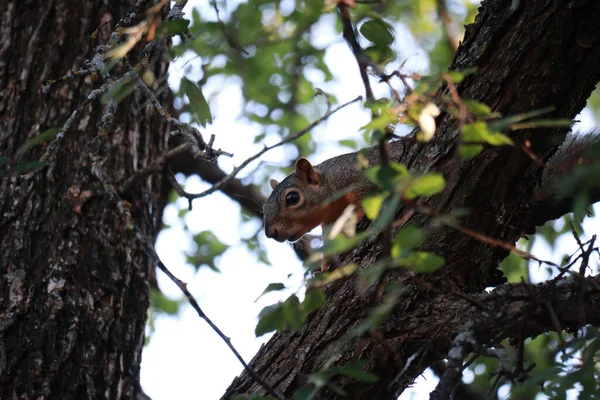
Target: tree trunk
(73, 278)
(529, 55)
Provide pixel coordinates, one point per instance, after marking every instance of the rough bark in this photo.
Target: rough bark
(73, 279)
(529, 55)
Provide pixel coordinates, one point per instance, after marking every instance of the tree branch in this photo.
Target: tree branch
(463, 391)
(555, 206)
(248, 196)
(515, 75)
(288, 139)
(361, 58)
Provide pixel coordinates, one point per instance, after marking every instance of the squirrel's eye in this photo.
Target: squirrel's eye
(291, 199)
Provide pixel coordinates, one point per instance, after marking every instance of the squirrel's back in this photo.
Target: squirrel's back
(313, 196)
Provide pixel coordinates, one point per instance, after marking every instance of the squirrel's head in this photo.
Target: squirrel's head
(294, 207)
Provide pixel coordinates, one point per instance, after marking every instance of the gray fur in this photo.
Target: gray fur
(566, 157)
(339, 172)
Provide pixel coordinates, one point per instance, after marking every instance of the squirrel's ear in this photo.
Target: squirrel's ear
(306, 173)
(273, 183)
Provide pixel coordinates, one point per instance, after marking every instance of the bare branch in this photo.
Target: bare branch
(463, 391)
(288, 139)
(448, 24)
(156, 167)
(231, 41)
(361, 58)
(148, 245)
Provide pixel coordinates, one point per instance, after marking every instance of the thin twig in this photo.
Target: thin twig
(350, 36)
(183, 287)
(288, 139)
(53, 147)
(387, 236)
(146, 242)
(585, 254)
(481, 237)
(199, 148)
(156, 166)
(556, 323)
(499, 243)
(463, 111)
(444, 15)
(228, 37)
(526, 147)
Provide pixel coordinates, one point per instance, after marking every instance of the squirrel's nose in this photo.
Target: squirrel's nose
(271, 232)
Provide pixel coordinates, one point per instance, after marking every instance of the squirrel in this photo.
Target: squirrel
(313, 196)
(305, 199)
(318, 195)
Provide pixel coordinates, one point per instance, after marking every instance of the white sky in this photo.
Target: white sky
(185, 359)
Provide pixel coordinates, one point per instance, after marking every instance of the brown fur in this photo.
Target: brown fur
(326, 190)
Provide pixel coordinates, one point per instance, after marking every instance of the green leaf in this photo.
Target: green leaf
(379, 123)
(424, 185)
(4, 160)
(313, 300)
(380, 55)
(479, 132)
(543, 123)
(388, 213)
(371, 275)
(208, 248)
(591, 350)
(421, 261)
(371, 205)
(289, 314)
(270, 319)
(408, 238)
(306, 393)
(162, 303)
(173, 27)
(349, 143)
(478, 109)
(580, 205)
(198, 106)
(262, 256)
(457, 77)
(381, 105)
(36, 140)
(505, 123)
(259, 138)
(271, 287)
(327, 277)
(319, 378)
(337, 390)
(378, 32)
(468, 151)
(514, 267)
(341, 243)
(292, 314)
(386, 115)
(387, 176)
